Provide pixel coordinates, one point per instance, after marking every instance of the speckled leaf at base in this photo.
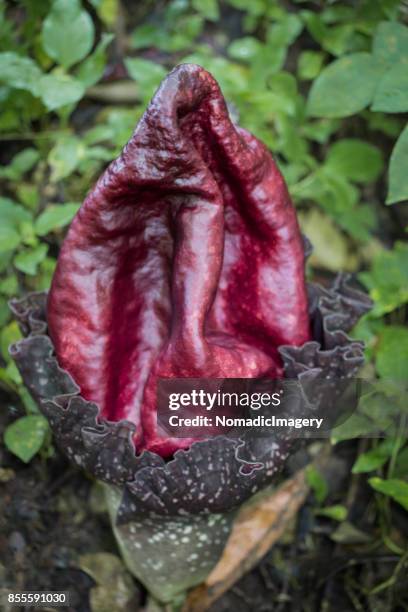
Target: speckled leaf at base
(170, 554)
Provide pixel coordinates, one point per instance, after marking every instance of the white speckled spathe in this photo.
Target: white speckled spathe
(169, 554)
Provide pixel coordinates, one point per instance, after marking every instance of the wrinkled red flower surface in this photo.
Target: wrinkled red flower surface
(185, 260)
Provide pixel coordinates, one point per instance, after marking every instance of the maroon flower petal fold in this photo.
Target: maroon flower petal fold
(185, 260)
(212, 475)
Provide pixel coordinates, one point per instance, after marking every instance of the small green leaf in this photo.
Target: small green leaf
(147, 75)
(9, 239)
(27, 261)
(91, 70)
(374, 458)
(244, 49)
(58, 90)
(398, 175)
(387, 279)
(25, 436)
(390, 45)
(68, 32)
(20, 164)
(8, 335)
(65, 157)
(310, 64)
(344, 87)
(19, 72)
(207, 8)
(54, 217)
(392, 353)
(394, 488)
(355, 159)
(317, 482)
(391, 95)
(337, 512)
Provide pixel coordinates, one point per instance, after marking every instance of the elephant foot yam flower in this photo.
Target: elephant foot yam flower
(185, 260)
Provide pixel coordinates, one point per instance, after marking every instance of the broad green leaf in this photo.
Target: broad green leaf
(391, 95)
(390, 45)
(8, 335)
(58, 90)
(25, 436)
(397, 174)
(27, 261)
(337, 513)
(68, 32)
(317, 482)
(355, 159)
(344, 87)
(392, 353)
(9, 239)
(387, 280)
(147, 75)
(65, 157)
(4, 312)
(393, 487)
(91, 70)
(310, 64)
(374, 458)
(19, 72)
(54, 217)
(207, 8)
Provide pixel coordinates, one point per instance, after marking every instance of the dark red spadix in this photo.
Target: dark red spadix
(185, 260)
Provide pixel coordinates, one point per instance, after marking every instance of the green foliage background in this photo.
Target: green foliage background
(323, 84)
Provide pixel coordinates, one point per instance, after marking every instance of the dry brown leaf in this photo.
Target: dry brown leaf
(256, 528)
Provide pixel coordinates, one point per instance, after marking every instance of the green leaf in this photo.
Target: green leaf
(68, 32)
(356, 426)
(345, 87)
(374, 458)
(8, 335)
(398, 175)
(91, 70)
(9, 239)
(20, 164)
(387, 280)
(337, 512)
(54, 217)
(394, 488)
(391, 95)
(244, 49)
(27, 261)
(25, 436)
(59, 89)
(19, 72)
(392, 353)
(12, 214)
(147, 75)
(316, 481)
(207, 8)
(310, 64)
(390, 44)
(65, 157)
(355, 159)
